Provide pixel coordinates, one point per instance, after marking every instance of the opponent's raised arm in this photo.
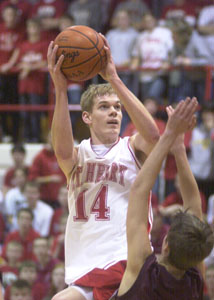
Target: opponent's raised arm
(61, 129)
(139, 247)
(188, 185)
(143, 121)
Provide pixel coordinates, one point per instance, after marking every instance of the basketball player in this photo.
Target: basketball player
(99, 172)
(174, 274)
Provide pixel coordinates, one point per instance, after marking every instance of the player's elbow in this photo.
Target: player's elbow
(154, 135)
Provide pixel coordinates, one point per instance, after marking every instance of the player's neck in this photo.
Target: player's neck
(175, 272)
(109, 140)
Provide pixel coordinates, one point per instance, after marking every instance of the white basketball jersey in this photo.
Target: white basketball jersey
(98, 198)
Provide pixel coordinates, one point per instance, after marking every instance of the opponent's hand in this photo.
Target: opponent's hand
(179, 142)
(109, 72)
(54, 67)
(182, 118)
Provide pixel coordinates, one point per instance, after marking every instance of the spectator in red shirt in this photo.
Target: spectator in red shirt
(31, 63)
(152, 106)
(57, 281)
(18, 154)
(24, 8)
(28, 272)
(11, 34)
(63, 209)
(13, 255)
(159, 231)
(175, 198)
(57, 243)
(25, 233)
(20, 289)
(46, 171)
(181, 9)
(45, 263)
(49, 12)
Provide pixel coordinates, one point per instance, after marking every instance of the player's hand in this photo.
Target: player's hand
(109, 72)
(182, 118)
(178, 145)
(54, 67)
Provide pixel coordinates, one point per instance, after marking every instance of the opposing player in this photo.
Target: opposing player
(189, 240)
(99, 172)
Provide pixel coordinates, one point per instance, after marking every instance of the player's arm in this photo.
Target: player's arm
(139, 247)
(188, 185)
(61, 129)
(143, 121)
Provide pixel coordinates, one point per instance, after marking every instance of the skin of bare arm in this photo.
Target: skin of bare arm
(148, 133)
(61, 129)
(139, 247)
(188, 185)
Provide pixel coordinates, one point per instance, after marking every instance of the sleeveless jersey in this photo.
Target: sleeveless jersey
(98, 199)
(154, 282)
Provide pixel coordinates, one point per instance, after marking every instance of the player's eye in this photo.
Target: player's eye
(104, 106)
(118, 107)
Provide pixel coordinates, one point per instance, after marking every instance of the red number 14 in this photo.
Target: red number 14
(99, 206)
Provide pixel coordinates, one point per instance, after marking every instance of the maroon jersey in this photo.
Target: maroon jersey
(9, 40)
(154, 282)
(32, 53)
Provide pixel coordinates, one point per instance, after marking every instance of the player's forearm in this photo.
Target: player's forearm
(188, 186)
(139, 115)
(61, 130)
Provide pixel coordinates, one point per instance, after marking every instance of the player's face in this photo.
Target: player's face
(105, 119)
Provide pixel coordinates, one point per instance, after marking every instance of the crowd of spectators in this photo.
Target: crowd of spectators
(162, 50)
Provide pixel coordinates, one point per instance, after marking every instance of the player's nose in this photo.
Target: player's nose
(113, 111)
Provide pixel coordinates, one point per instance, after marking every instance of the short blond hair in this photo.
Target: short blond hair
(94, 90)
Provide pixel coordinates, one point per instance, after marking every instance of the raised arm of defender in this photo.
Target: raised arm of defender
(139, 248)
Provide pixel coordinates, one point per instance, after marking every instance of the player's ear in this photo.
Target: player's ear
(165, 247)
(86, 116)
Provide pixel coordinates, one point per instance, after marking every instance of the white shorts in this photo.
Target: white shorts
(87, 292)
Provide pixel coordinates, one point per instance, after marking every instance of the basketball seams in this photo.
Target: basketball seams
(95, 45)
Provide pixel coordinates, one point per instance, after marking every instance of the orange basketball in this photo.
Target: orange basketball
(83, 49)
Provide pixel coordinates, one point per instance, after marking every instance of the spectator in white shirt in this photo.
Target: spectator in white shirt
(42, 212)
(152, 51)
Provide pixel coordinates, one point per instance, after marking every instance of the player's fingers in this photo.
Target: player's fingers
(179, 108)
(191, 108)
(192, 123)
(52, 59)
(59, 62)
(50, 48)
(169, 110)
(105, 40)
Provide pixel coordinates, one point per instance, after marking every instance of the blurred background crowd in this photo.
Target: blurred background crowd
(164, 52)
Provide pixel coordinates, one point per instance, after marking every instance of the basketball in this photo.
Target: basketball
(83, 50)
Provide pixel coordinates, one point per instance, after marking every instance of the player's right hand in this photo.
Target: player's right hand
(54, 67)
(182, 118)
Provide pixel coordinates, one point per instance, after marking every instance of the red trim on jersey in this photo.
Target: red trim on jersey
(104, 282)
(104, 144)
(133, 155)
